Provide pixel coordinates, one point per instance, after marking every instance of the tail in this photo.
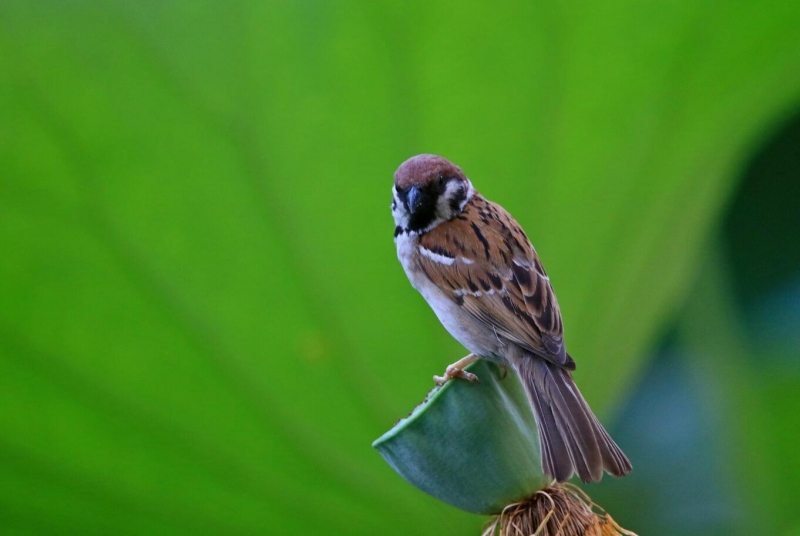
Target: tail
(571, 439)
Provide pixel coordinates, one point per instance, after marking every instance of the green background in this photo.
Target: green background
(203, 325)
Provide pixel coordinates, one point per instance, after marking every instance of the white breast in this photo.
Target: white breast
(475, 336)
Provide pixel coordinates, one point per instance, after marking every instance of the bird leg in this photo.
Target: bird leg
(456, 370)
(504, 368)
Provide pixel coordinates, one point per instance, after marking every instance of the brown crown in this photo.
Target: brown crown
(424, 168)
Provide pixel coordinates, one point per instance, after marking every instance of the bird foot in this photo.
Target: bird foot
(505, 372)
(456, 370)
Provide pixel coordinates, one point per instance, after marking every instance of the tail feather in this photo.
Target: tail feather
(571, 438)
(551, 443)
(573, 423)
(614, 460)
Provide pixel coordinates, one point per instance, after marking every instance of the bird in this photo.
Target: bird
(479, 272)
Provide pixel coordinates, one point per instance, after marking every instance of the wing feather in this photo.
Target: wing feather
(498, 278)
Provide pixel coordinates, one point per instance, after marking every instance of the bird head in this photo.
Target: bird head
(428, 190)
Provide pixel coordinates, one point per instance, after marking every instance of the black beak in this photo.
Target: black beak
(413, 199)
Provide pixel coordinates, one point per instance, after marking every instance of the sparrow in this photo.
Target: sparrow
(476, 268)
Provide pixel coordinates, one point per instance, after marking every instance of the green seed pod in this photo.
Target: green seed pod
(476, 447)
(472, 445)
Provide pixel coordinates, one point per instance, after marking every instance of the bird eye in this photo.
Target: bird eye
(440, 180)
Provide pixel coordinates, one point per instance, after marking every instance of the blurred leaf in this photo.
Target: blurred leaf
(762, 415)
(202, 323)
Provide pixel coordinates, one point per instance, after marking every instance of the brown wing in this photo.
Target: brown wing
(497, 277)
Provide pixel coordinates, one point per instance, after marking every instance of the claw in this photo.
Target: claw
(505, 372)
(455, 371)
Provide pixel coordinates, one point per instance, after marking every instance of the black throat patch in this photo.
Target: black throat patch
(425, 213)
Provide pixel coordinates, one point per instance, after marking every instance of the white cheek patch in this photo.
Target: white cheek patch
(443, 206)
(455, 189)
(399, 210)
(470, 193)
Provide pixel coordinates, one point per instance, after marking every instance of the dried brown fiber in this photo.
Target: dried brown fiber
(559, 510)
